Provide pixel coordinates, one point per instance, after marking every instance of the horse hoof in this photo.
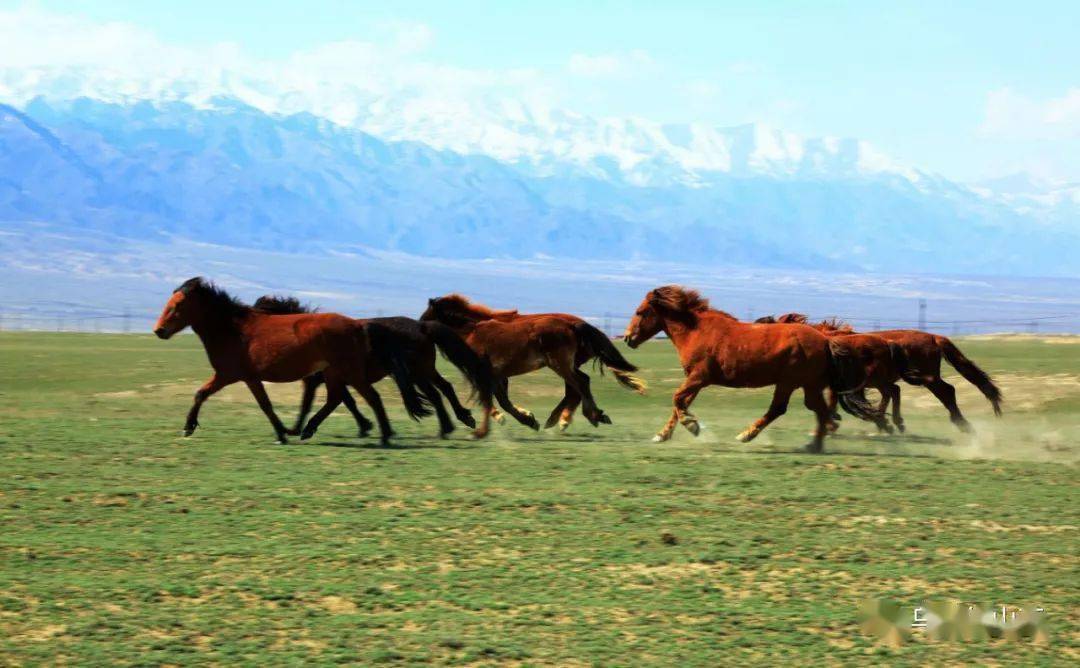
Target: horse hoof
(746, 436)
(660, 438)
(603, 419)
(281, 440)
(563, 425)
(531, 423)
(468, 420)
(900, 427)
(499, 418)
(306, 434)
(815, 448)
(188, 432)
(693, 427)
(477, 435)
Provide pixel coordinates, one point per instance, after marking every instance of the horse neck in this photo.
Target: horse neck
(216, 330)
(679, 331)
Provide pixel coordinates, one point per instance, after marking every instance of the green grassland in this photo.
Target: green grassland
(123, 543)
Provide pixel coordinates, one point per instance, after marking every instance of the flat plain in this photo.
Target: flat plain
(123, 543)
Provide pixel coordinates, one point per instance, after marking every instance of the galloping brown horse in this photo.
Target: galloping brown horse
(421, 338)
(249, 345)
(884, 363)
(924, 352)
(716, 349)
(517, 344)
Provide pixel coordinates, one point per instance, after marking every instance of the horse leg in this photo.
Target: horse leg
(311, 383)
(375, 401)
(335, 390)
(880, 422)
(208, 389)
(686, 394)
(496, 414)
(429, 391)
(834, 416)
(362, 423)
(523, 416)
(946, 394)
(563, 413)
(894, 394)
(556, 412)
(464, 415)
(778, 407)
(814, 401)
(257, 389)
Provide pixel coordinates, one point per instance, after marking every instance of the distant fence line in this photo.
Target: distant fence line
(613, 324)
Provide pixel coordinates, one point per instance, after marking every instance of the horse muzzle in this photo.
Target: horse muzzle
(162, 333)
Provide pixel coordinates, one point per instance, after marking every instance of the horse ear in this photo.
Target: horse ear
(431, 302)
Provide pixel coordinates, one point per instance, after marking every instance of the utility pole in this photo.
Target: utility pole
(922, 314)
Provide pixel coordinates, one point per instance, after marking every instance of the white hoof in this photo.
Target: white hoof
(499, 418)
(563, 426)
(746, 436)
(660, 438)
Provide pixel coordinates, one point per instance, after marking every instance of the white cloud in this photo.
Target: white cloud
(609, 64)
(1012, 115)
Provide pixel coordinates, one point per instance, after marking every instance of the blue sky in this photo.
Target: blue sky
(970, 90)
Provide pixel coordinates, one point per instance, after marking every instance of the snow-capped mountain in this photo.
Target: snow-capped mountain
(493, 180)
(541, 140)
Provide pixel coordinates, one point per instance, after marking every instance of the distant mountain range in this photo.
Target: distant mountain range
(506, 182)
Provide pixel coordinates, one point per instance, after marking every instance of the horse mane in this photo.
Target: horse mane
(765, 320)
(218, 302)
(683, 303)
(678, 299)
(835, 325)
(461, 305)
(792, 318)
(281, 305)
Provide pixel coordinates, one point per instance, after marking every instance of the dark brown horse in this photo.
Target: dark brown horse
(249, 345)
(924, 352)
(517, 344)
(421, 339)
(716, 349)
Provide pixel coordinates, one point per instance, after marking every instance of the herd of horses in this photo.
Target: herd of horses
(278, 339)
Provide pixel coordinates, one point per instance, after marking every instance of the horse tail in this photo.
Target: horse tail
(903, 365)
(477, 370)
(387, 348)
(596, 344)
(847, 378)
(971, 372)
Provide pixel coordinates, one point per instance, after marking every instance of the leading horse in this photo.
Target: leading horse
(249, 345)
(716, 349)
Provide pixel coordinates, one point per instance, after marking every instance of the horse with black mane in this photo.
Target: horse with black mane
(250, 345)
(520, 343)
(923, 353)
(420, 339)
(716, 349)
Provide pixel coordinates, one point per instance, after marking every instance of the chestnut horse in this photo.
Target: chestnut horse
(517, 344)
(249, 345)
(924, 352)
(884, 363)
(422, 339)
(716, 349)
